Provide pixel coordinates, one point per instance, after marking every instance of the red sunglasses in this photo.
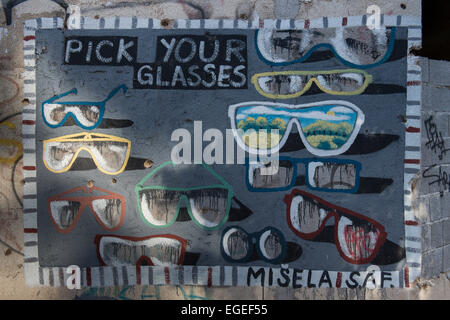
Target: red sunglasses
(65, 210)
(357, 237)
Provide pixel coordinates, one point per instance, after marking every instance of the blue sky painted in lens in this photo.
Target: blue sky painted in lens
(306, 116)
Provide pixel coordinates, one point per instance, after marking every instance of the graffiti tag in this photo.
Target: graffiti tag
(435, 141)
(441, 178)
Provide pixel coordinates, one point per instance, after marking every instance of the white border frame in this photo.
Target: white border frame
(216, 275)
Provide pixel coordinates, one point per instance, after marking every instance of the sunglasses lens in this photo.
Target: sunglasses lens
(258, 127)
(87, 115)
(341, 82)
(306, 216)
(158, 251)
(363, 46)
(281, 84)
(59, 155)
(159, 207)
(209, 206)
(358, 240)
(108, 211)
(261, 178)
(64, 212)
(327, 127)
(110, 155)
(270, 244)
(282, 45)
(332, 176)
(235, 244)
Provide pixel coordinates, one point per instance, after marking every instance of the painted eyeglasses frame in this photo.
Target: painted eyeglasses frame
(232, 110)
(334, 212)
(294, 162)
(223, 185)
(88, 138)
(99, 237)
(333, 50)
(311, 80)
(87, 201)
(253, 241)
(100, 104)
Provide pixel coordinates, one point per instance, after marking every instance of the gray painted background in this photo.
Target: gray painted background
(156, 113)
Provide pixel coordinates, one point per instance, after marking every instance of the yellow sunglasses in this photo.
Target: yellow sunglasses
(110, 153)
(292, 84)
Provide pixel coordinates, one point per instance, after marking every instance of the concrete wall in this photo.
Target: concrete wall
(431, 201)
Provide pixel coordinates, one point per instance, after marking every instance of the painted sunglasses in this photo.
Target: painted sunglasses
(87, 115)
(357, 47)
(357, 238)
(65, 209)
(326, 128)
(110, 153)
(237, 245)
(208, 206)
(328, 175)
(154, 250)
(292, 84)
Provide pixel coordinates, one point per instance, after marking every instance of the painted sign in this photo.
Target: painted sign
(272, 153)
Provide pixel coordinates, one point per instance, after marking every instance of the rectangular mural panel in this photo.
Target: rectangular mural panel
(113, 111)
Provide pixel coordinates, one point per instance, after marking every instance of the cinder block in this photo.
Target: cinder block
(445, 205)
(446, 231)
(439, 72)
(430, 157)
(440, 119)
(426, 238)
(432, 263)
(435, 208)
(425, 65)
(435, 98)
(437, 238)
(446, 259)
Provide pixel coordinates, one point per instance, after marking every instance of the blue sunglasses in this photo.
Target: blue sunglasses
(328, 175)
(238, 246)
(86, 115)
(286, 47)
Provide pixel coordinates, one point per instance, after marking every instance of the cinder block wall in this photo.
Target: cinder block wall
(433, 200)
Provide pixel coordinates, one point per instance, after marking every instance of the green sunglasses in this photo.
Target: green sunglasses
(208, 206)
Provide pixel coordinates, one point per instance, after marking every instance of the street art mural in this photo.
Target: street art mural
(319, 116)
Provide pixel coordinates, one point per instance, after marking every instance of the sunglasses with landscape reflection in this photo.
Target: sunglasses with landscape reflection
(326, 128)
(357, 237)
